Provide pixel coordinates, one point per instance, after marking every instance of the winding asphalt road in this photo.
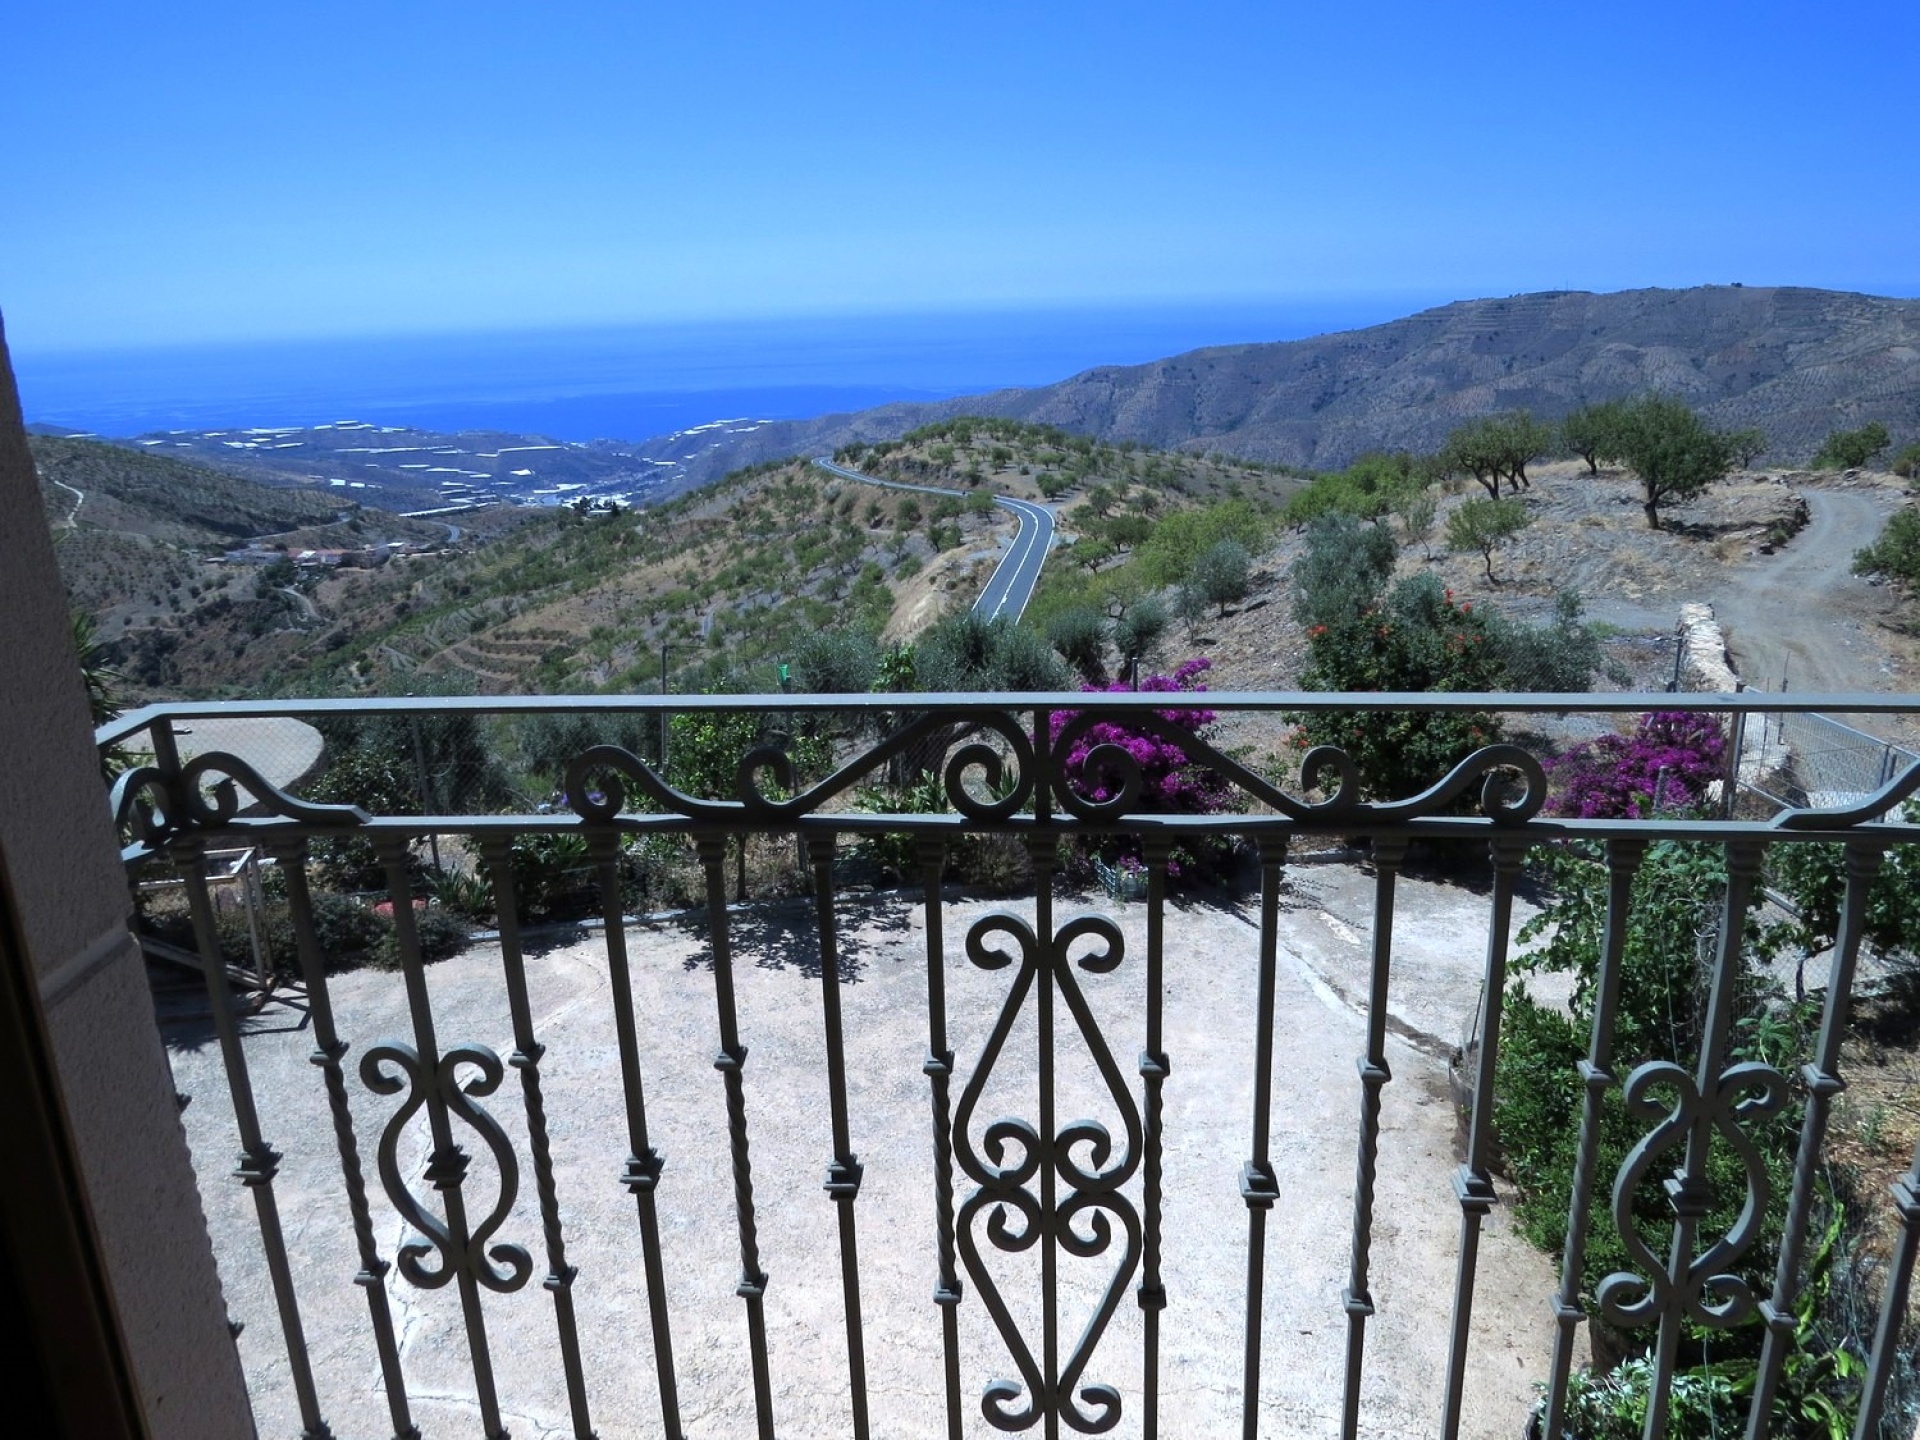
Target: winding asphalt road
(1011, 586)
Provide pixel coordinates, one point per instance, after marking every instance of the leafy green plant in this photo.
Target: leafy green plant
(1852, 449)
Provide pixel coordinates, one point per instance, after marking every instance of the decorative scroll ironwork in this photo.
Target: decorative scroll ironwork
(1681, 1285)
(158, 805)
(1006, 1184)
(447, 1169)
(596, 779)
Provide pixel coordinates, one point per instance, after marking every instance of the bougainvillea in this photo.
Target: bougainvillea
(1170, 782)
(1667, 763)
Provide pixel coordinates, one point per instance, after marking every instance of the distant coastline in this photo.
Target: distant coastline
(634, 383)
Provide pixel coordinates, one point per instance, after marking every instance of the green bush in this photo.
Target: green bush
(1851, 449)
(1896, 553)
(1906, 464)
(1672, 937)
(439, 932)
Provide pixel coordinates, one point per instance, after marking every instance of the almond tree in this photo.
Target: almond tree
(1675, 453)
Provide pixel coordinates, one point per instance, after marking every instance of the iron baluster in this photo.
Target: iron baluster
(1004, 1186)
(1472, 1185)
(259, 1161)
(1154, 1069)
(497, 852)
(641, 1174)
(1596, 1075)
(1259, 1187)
(328, 1051)
(432, 1080)
(1374, 1074)
(843, 1174)
(1893, 1303)
(1822, 1076)
(932, 854)
(731, 1062)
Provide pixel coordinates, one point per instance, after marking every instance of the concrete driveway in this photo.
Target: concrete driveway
(1210, 996)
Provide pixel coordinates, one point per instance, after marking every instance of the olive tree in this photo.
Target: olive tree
(1675, 453)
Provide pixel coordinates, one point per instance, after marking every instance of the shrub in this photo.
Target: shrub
(1674, 920)
(1079, 633)
(1418, 638)
(1667, 763)
(1341, 571)
(1139, 630)
(836, 662)
(1851, 449)
(1171, 783)
(1906, 464)
(964, 652)
(1484, 525)
(1223, 574)
(439, 932)
(1896, 553)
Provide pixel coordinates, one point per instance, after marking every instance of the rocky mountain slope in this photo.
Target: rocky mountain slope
(1794, 362)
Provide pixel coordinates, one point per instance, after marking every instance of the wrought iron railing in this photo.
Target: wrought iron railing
(1071, 1191)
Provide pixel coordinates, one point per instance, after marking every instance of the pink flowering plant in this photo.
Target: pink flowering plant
(1667, 763)
(1170, 782)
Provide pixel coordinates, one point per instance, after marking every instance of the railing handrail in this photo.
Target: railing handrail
(1746, 702)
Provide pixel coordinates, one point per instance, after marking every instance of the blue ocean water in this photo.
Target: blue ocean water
(635, 382)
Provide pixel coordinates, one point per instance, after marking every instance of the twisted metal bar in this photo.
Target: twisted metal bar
(1259, 1187)
(329, 1049)
(1374, 1074)
(497, 852)
(1596, 1074)
(1154, 1069)
(938, 1069)
(259, 1161)
(731, 1063)
(844, 1172)
(641, 1174)
(1472, 1184)
(1893, 1303)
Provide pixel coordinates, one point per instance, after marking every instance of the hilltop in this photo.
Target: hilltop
(1796, 362)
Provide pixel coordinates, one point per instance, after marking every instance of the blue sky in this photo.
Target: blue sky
(220, 171)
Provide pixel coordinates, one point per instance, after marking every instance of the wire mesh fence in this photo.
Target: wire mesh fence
(1801, 758)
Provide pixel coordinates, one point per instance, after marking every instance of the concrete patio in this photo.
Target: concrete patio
(1210, 1004)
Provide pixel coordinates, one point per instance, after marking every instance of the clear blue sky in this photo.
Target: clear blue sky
(231, 171)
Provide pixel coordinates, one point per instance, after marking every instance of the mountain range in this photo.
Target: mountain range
(1794, 362)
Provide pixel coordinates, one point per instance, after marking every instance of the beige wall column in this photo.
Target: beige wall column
(60, 873)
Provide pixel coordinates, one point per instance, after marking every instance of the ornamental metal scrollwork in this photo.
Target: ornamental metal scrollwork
(1513, 785)
(597, 780)
(1081, 1154)
(1682, 1283)
(1902, 787)
(158, 805)
(460, 1250)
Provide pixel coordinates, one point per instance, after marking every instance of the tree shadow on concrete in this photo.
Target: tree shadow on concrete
(785, 935)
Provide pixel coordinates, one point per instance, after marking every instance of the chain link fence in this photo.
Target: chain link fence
(1800, 759)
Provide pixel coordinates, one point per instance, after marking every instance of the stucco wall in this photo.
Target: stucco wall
(59, 861)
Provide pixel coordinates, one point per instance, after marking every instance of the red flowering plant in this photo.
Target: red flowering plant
(1666, 764)
(1415, 638)
(1171, 783)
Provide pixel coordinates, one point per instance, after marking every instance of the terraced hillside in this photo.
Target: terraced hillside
(138, 536)
(726, 581)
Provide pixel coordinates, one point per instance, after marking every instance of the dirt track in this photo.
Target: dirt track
(1800, 616)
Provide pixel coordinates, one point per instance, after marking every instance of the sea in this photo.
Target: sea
(634, 382)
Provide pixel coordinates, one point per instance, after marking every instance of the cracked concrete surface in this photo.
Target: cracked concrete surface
(1210, 980)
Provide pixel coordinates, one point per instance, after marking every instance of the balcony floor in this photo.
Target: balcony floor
(1210, 986)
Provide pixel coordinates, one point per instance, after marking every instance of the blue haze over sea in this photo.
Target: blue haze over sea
(636, 382)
